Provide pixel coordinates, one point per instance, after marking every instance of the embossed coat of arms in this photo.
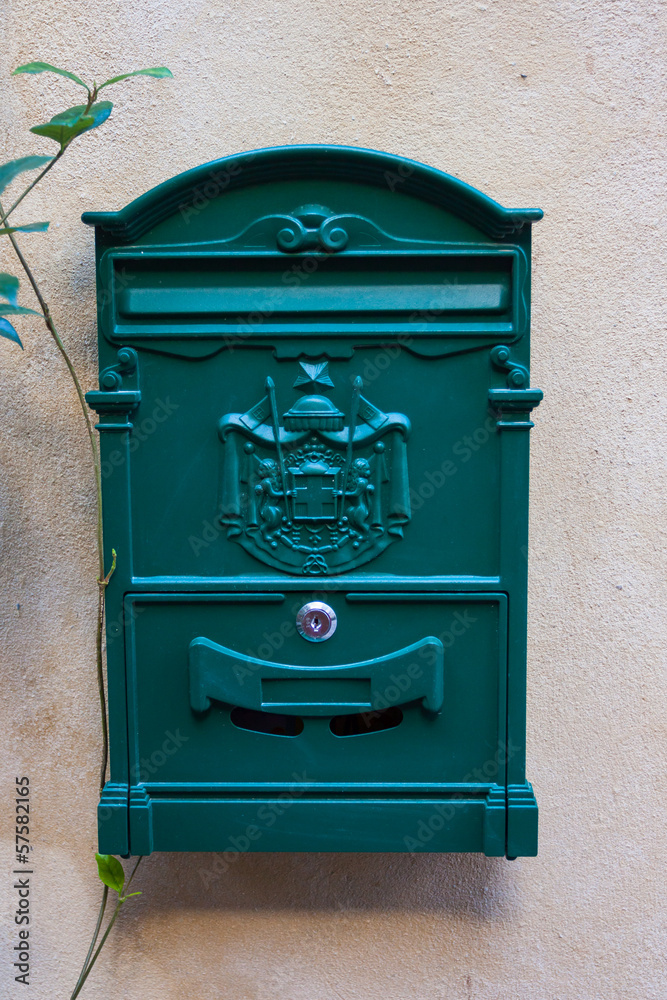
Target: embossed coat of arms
(321, 491)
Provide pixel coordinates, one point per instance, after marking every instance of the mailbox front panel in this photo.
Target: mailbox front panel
(258, 714)
(314, 403)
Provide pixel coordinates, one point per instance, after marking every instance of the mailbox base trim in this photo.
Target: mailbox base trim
(112, 819)
(491, 822)
(521, 821)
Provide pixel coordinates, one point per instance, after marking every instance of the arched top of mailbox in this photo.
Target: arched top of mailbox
(335, 163)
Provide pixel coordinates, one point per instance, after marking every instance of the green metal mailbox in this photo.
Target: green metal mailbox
(314, 407)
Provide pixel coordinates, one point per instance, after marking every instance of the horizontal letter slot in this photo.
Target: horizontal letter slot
(354, 692)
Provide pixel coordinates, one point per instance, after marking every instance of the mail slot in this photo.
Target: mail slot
(317, 692)
(314, 405)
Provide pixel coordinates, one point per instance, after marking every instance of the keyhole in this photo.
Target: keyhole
(316, 621)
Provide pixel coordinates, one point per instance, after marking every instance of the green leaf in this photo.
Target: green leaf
(42, 67)
(123, 898)
(8, 331)
(68, 124)
(110, 871)
(158, 71)
(9, 287)
(8, 171)
(30, 227)
(9, 310)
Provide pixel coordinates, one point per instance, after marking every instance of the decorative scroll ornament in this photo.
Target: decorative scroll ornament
(119, 394)
(312, 227)
(517, 375)
(322, 492)
(513, 405)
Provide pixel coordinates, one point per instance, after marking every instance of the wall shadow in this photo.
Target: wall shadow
(464, 885)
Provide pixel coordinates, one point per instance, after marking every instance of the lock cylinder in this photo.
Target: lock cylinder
(316, 621)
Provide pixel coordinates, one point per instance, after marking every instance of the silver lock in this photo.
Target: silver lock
(316, 621)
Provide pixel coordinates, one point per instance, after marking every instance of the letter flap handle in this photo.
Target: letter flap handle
(414, 673)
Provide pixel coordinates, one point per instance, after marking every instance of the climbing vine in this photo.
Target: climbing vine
(63, 128)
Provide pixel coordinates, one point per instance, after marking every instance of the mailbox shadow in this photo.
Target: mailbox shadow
(469, 885)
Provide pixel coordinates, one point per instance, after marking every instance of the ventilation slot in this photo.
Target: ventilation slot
(366, 722)
(269, 723)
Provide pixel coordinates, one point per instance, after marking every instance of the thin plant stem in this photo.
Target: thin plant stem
(51, 327)
(82, 979)
(34, 183)
(92, 94)
(99, 670)
(91, 961)
(100, 915)
(102, 580)
(134, 871)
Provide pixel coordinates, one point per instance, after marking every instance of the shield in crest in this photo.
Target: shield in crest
(314, 492)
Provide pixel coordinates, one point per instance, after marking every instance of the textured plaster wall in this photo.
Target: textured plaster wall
(556, 104)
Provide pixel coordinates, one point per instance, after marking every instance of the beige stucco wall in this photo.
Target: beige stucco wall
(579, 136)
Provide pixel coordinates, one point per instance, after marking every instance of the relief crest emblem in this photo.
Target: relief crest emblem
(319, 492)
